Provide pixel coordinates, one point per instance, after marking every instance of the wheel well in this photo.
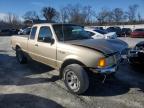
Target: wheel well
(68, 62)
(17, 46)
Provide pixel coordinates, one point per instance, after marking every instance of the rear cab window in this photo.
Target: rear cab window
(33, 33)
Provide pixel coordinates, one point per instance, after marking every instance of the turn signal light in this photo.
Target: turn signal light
(102, 62)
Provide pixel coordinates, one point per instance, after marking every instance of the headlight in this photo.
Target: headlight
(110, 61)
(104, 62)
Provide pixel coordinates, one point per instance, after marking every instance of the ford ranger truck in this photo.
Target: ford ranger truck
(69, 49)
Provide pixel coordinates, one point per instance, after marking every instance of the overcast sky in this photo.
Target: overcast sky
(19, 7)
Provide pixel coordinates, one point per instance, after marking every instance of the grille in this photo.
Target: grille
(118, 57)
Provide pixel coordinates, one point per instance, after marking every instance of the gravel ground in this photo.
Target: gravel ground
(35, 85)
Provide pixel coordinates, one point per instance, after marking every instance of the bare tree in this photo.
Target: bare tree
(104, 16)
(64, 16)
(139, 17)
(88, 13)
(76, 14)
(49, 13)
(132, 11)
(12, 20)
(31, 15)
(118, 15)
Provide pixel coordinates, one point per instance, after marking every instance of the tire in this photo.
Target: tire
(76, 79)
(20, 56)
(131, 63)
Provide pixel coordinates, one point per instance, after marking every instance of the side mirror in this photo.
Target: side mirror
(52, 41)
(48, 40)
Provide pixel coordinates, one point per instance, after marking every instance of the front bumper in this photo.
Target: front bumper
(119, 57)
(106, 70)
(109, 69)
(132, 53)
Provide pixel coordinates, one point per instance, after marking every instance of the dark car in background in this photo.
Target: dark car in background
(115, 29)
(136, 54)
(138, 33)
(126, 31)
(5, 32)
(14, 31)
(99, 28)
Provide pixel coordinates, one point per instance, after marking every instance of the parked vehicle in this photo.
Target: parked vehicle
(94, 27)
(25, 31)
(100, 28)
(69, 49)
(101, 34)
(136, 55)
(126, 31)
(5, 32)
(14, 31)
(115, 29)
(138, 33)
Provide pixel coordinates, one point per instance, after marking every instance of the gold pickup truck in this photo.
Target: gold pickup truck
(69, 49)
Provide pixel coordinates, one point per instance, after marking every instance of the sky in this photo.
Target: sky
(19, 7)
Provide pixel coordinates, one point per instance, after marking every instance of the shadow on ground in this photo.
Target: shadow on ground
(111, 87)
(125, 79)
(12, 73)
(26, 101)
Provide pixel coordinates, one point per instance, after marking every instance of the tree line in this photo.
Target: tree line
(87, 16)
(10, 21)
(79, 14)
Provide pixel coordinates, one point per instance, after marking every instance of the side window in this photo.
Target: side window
(45, 34)
(33, 33)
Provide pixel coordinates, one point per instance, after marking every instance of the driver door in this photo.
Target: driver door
(46, 47)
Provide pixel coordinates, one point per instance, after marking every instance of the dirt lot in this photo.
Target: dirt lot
(38, 86)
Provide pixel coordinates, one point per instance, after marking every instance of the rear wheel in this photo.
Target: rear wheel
(76, 78)
(20, 56)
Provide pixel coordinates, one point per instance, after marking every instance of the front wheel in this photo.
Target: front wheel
(20, 56)
(76, 78)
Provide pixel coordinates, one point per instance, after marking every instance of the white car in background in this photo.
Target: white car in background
(100, 34)
(24, 31)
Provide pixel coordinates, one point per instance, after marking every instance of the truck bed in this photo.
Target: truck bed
(20, 40)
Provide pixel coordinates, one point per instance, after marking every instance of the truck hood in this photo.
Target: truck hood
(104, 46)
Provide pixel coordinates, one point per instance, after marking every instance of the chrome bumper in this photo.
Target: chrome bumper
(107, 70)
(132, 53)
(112, 69)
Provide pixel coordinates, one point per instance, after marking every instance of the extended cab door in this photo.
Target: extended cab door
(31, 43)
(46, 46)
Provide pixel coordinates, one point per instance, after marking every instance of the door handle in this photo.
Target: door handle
(36, 45)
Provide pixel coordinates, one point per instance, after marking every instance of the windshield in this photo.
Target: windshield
(68, 32)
